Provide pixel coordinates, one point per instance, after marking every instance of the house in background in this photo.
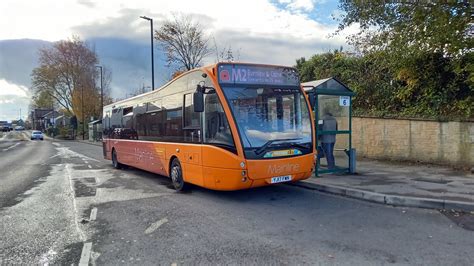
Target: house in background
(37, 118)
(49, 118)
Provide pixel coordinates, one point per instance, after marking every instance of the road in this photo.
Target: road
(62, 203)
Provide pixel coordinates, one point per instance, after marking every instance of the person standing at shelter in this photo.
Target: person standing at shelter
(328, 141)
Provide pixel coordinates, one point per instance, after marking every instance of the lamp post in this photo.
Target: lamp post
(152, 61)
(101, 92)
(82, 111)
(53, 122)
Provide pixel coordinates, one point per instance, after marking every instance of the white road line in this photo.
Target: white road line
(86, 254)
(53, 156)
(90, 167)
(93, 214)
(11, 147)
(81, 233)
(152, 228)
(56, 144)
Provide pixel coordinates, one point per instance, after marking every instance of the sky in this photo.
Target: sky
(260, 31)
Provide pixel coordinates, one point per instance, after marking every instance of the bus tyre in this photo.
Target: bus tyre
(115, 161)
(176, 174)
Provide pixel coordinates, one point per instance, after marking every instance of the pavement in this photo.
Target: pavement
(401, 184)
(397, 183)
(86, 141)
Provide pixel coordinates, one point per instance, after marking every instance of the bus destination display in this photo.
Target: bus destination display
(261, 75)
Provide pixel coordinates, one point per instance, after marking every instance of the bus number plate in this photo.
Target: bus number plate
(279, 179)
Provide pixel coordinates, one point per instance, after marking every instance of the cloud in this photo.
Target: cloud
(87, 3)
(18, 58)
(298, 5)
(10, 89)
(5, 101)
(130, 64)
(125, 25)
(13, 98)
(272, 49)
(264, 31)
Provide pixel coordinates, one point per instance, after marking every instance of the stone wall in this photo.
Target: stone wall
(450, 143)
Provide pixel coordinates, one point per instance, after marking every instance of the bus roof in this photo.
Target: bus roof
(209, 68)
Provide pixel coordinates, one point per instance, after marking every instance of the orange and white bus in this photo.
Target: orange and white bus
(227, 126)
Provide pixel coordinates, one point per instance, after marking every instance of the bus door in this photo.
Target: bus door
(105, 133)
(192, 135)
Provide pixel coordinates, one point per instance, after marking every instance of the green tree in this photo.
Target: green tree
(416, 58)
(406, 26)
(42, 100)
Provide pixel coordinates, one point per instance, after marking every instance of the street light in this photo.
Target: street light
(101, 92)
(82, 111)
(152, 61)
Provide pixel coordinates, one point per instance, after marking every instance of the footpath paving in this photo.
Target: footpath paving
(86, 141)
(396, 184)
(401, 184)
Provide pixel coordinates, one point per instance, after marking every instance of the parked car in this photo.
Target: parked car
(36, 135)
(19, 128)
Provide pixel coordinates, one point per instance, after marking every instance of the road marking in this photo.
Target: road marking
(93, 214)
(68, 153)
(53, 156)
(11, 147)
(56, 144)
(155, 226)
(86, 254)
(90, 167)
(69, 175)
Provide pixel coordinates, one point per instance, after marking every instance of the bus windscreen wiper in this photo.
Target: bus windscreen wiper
(270, 142)
(299, 145)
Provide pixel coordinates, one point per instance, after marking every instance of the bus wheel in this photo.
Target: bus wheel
(115, 161)
(176, 175)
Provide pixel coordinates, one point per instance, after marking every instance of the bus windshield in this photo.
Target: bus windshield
(270, 118)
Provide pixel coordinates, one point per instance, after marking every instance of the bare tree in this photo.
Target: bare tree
(183, 41)
(226, 54)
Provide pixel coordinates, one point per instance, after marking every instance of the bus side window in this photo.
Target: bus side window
(139, 120)
(106, 124)
(192, 125)
(154, 120)
(115, 122)
(173, 117)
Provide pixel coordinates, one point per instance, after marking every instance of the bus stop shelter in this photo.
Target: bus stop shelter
(332, 106)
(95, 130)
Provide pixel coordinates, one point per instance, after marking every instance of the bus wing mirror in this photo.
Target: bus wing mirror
(198, 101)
